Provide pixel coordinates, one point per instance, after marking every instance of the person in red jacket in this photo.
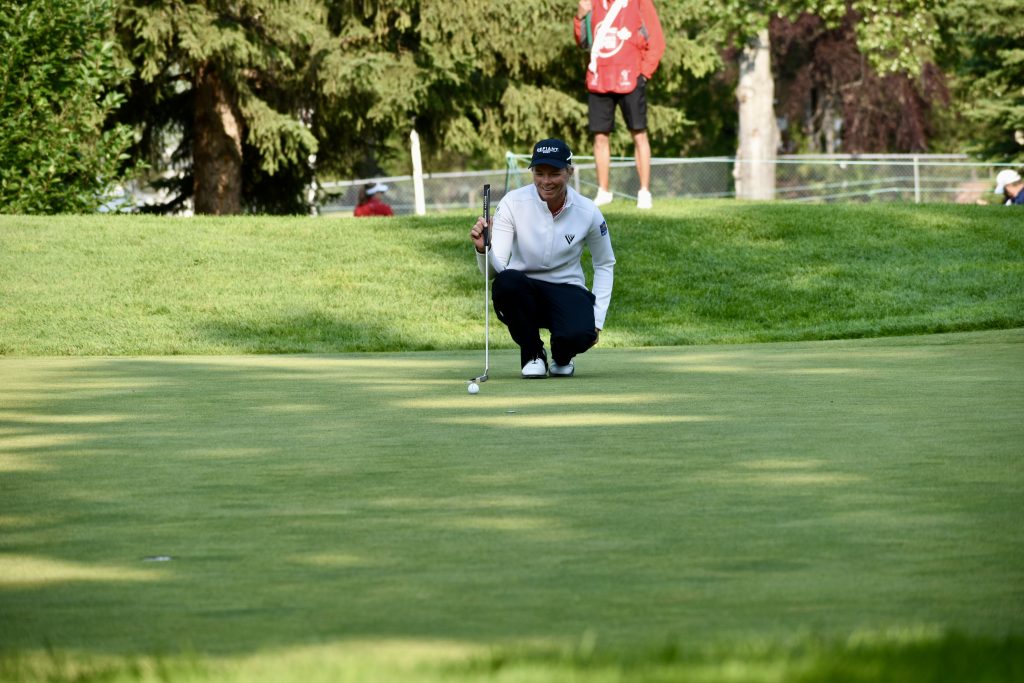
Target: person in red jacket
(626, 44)
(370, 203)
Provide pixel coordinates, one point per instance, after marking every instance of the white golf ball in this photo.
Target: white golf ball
(473, 388)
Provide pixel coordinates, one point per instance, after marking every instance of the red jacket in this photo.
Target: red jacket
(630, 47)
(373, 207)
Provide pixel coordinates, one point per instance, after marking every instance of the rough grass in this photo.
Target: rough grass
(688, 272)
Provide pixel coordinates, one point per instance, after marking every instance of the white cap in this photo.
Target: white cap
(1005, 178)
(381, 187)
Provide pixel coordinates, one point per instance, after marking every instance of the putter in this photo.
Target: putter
(487, 287)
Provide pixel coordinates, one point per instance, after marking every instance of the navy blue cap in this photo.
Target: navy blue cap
(551, 152)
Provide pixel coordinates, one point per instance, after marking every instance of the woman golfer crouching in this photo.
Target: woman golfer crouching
(537, 239)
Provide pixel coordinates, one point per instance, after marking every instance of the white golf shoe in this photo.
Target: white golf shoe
(603, 197)
(643, 199)
(535, 369)
(562, 370)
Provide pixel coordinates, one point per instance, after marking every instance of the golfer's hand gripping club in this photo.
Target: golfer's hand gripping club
(481, 234)
(487, 217)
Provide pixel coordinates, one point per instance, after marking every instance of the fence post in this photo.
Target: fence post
(417, 174)
(917, 179)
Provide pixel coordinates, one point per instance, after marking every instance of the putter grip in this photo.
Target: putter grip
(487, 216)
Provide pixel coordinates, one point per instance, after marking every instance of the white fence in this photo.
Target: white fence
(798, 178)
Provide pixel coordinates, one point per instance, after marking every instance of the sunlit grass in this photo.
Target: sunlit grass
(687, 272)
(20, 571)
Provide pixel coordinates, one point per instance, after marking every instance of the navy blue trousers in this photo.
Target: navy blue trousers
(527, 305)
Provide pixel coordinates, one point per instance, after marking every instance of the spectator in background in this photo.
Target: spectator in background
(626, 43)
(370, 202)
(1010, 185)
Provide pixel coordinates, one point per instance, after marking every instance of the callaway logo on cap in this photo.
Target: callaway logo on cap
(551, 152)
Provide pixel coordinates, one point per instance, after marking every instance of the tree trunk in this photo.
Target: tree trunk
(759, 132)
(217, 147)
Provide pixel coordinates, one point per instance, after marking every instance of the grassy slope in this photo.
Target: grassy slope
(696, 272)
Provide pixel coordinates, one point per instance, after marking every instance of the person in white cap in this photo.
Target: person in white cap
(370, 203)
(1010, 185)
(539, 232)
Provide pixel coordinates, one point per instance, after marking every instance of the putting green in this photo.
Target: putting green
(238, 505)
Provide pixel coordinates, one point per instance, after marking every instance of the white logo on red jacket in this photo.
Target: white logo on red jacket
(612, 41)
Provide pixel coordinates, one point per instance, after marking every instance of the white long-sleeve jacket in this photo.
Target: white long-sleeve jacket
(527, 238)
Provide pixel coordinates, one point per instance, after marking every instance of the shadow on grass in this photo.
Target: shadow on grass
(869, 658)
(242, 504)
(312, 332)
(235, 504)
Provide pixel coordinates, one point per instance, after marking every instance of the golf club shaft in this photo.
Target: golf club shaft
(487, 285)
(487, 264)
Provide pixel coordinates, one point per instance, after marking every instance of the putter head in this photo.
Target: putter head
(481, 378)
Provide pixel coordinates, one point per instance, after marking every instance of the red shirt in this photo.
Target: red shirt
(373, 207)
(625, 52)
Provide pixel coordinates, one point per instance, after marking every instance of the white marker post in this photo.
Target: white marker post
(417, 174)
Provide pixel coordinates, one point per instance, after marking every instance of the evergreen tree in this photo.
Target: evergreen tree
(245, 93)
(477, 78)
(225, 86)
(984, 47)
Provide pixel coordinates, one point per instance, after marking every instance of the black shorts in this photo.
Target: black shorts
(601, 109)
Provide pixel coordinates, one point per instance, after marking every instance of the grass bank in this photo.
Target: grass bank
(687, 273)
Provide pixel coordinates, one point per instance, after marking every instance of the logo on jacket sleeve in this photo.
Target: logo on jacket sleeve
(604, 229)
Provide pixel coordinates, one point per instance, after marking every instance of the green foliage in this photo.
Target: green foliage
(447, 69)
(476, 80)
(348, 81)
(691, 98)
(986, 52)
(59, 74)
(896, 36)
